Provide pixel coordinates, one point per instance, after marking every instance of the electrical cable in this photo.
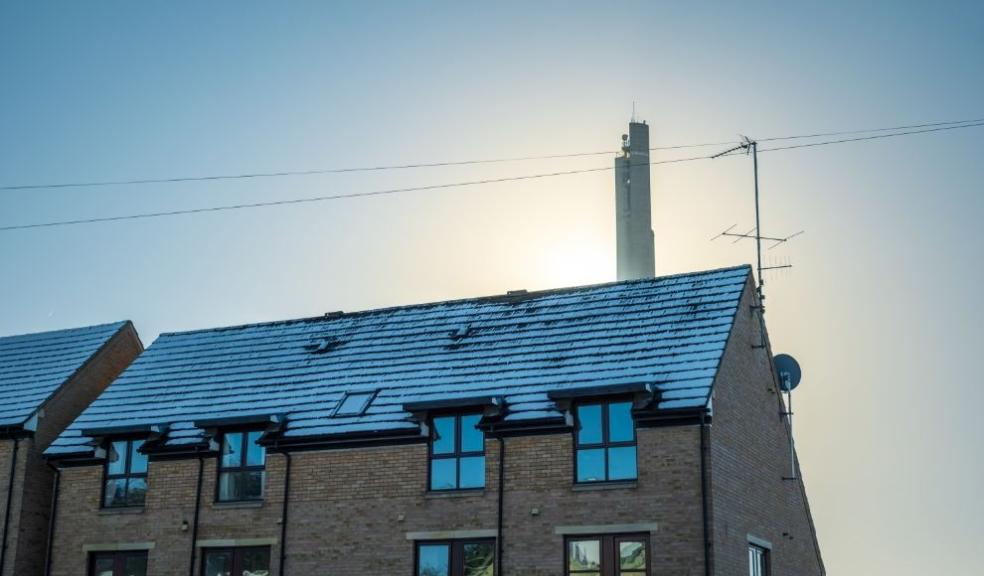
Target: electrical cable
(449, 185)
(321, 171)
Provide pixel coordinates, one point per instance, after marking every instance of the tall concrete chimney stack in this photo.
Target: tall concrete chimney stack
(633, 208)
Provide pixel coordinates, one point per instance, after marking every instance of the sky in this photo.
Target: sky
(882, 306)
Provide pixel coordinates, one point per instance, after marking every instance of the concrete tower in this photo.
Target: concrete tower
(633, 211)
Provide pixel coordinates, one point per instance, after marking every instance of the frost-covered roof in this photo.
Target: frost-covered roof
(34, 366)
(668, 331)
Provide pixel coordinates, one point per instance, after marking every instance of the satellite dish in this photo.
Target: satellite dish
(789, 372)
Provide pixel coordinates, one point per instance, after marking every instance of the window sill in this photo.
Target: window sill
(620, 485)
(455, 493)
(121, 510)
(238, 504)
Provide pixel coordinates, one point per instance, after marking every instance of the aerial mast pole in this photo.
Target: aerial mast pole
(758, 224)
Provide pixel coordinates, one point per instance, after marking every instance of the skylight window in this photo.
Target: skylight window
(323, 345)
(460, 331)
(354, 404)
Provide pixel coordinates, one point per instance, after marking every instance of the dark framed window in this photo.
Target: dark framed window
(606, 442)
(457, 453)
(758, 561)
(456, 558)
(608, 555)
(130, 563)
(242, 561)
(125, 474)
(242, 467)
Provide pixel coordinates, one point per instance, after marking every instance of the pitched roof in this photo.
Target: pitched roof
(668, 331)
(34, 366)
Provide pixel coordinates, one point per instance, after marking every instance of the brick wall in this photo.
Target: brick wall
(750, 457)
(31, 502)
(351, 509)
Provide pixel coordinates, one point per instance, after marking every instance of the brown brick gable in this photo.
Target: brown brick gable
(27, 532)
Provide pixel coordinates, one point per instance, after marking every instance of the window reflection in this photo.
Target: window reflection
(444, 438)
(457, 453)
(456, 558)
(433, 560)
(125, 474)
(243, 561)
(584, 555)
(479, 559)
(128, 563)
(607, 555)
(241, 467)
(606, 444)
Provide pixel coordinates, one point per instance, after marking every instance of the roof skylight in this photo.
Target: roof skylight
(354, 404)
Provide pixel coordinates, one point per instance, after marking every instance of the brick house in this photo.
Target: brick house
(624, 429)
(46, 380)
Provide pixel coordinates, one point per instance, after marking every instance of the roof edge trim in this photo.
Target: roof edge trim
(604, 390)
(469, 402)
(125, 429)
(227, 421)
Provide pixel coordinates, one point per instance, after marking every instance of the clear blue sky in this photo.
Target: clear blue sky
(883, 307)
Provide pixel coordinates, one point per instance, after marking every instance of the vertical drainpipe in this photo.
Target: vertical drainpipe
(499, 519)
(283, 516)
(194, 523)
(10, 497)
(51, 520)
(703, 494)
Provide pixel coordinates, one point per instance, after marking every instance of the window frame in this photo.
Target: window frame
(608, 549)
(126, 475)
(370, 396)
(237, 557)
(456, 566)
(456, 455)
(243, 467)
(606, 445)
(119, 560)
(765, 554)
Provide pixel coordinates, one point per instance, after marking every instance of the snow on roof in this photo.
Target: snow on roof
(668, 331)
(34, 366)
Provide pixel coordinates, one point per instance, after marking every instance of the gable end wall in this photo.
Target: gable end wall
(33, 479)
(749, 444)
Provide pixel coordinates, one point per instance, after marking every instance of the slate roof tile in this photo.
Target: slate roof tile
(34, 366)
(668, 331)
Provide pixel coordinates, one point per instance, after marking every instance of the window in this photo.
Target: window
(354, 404)
(607, 556)
(457, 453)
(125, 474)
(758, 560)
(606, 443)
(251, 561)
(131, 563)
(241, 467)
(456, 558)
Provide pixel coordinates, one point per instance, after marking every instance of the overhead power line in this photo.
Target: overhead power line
(740, 150)
(874, 137)
(846, 132)
(313, 199)
(439, 164)
(450, 184)
(253, 175)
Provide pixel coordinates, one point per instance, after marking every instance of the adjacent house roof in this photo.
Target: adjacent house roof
(34, 366)
(666, 332)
